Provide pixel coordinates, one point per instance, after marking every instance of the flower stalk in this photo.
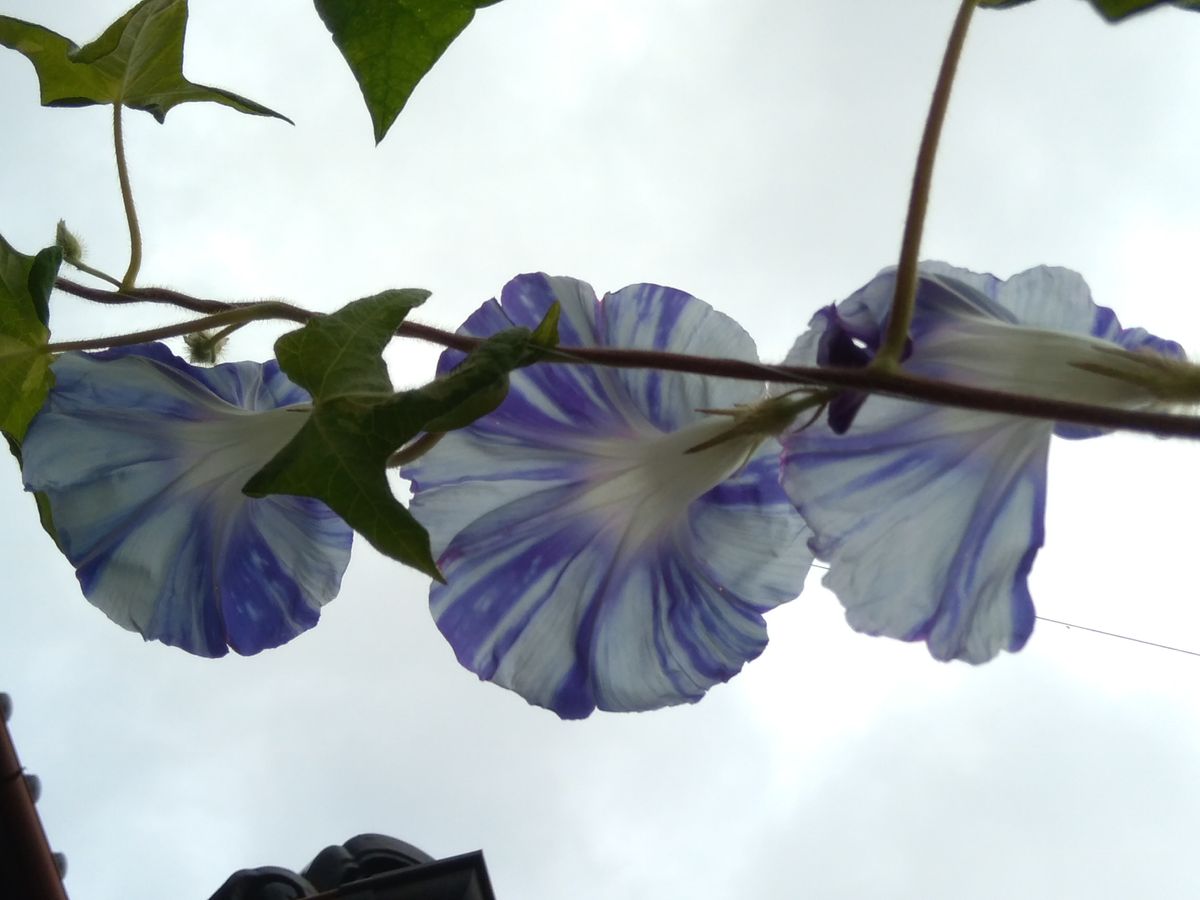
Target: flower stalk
(896, 336)
(135, 232)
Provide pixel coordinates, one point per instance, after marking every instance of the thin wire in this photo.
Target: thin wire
(1111, 634)
(1123, 637)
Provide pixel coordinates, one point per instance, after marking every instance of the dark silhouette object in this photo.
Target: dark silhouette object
(366, 867)
(28, 869)
(361, 857)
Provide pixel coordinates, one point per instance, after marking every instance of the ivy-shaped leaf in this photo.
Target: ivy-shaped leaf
(1113, 10)
(25, 378)
(340, 456)
(391, 44)
(136, 62)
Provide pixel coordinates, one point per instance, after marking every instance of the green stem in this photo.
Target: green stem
(135, 233)
(227, 331)
(95, 273)
(237, 316)
(904, 300)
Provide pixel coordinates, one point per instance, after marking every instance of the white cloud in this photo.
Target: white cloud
(757, 154)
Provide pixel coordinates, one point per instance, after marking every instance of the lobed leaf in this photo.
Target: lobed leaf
(136, 62)
(342, 353)
(341, 454)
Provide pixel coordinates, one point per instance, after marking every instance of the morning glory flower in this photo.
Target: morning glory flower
(590, 559)
(929, 516)
(143, 457)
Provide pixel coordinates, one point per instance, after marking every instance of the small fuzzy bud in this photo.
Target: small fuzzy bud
(204, 347)
(72, 249)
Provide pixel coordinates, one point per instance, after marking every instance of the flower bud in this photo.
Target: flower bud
(71, 248)
(204, 347)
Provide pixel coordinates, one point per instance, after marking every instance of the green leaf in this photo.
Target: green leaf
(342, 353)
(391, 44)
(25, 378)
(136, 62)
(480, 382)
(42, 273)
(341, 454)
(1113, 10)
(45, 516)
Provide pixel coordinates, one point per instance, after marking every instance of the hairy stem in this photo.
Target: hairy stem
(878, 381)
(233, 317)
(135, 232)
(95, 273)
(894, 340)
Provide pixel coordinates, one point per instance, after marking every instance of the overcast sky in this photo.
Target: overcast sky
(757, 154)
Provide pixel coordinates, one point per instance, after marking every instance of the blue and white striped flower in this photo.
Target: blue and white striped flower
(930, 516)
(590, 560)
(143, 458)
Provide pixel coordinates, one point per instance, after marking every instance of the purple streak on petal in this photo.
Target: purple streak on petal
(930, 519)
(546, 603)
(653, 317)
(745, 534)
(249, 576)
(554, 398)
(169, 599)
(113, 449)
(702, 632)
(489, 319)
(269, 592)
(503, 574)
(946, 631)
(556, 605)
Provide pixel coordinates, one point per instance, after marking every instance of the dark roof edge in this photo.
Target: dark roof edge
(466, 863)
(27, 866)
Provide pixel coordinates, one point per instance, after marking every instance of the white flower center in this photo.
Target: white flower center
(640, 487)
(224, 452)
(1039, 363)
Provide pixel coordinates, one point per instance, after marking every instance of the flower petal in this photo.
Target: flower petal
(930, 520)
(478, 469)
(652, 317)
(540, 602)
(548, 400)
(548, 427)
(638, 317)
(590, 562)
(143, 458)
(746, 534)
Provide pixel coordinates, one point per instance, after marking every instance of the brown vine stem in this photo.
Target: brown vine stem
(903, 302)
(879, 381)
(233, 317)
